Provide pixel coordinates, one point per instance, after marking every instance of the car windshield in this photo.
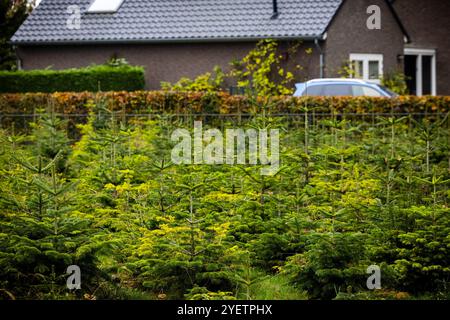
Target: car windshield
(390, 92)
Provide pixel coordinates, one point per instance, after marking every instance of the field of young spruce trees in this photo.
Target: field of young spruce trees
(352, 191)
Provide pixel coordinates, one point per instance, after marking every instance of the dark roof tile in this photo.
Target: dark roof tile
(172, 20)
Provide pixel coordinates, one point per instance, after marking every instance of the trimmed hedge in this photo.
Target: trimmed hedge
(93, 79)
(16, 110)
(140, 102)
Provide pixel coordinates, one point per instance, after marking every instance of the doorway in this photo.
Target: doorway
(420, 71)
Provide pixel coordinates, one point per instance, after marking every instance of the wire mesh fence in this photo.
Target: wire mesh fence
(21, 123)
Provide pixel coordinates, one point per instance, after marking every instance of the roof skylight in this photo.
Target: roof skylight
(105, 6)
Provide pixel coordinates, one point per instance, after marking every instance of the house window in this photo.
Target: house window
(105, 6)
(358, 67)
(367, 67)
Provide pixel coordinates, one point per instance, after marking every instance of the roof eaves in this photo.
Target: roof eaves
(389, 4)
(154, 41)
(397, 18)
(333, 17)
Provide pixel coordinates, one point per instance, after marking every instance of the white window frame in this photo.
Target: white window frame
(420, 53)
(365, 58)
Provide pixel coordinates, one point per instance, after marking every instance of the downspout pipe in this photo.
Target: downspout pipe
(18, 60)
(321, 57)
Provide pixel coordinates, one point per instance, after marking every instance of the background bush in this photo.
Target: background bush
(94, 78)
(17, 109)
(215, 102)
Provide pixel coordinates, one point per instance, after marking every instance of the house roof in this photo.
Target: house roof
(178, 20)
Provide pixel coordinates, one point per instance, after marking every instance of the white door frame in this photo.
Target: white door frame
(420, 53)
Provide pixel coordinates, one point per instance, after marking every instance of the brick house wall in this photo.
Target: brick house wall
(348, 33)
(163, 62)
(428, 25)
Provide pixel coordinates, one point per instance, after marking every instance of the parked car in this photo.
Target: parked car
(342, 87)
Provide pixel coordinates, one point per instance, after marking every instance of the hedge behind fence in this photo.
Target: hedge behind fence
(140, 102)
(17, 110)
(95, 78)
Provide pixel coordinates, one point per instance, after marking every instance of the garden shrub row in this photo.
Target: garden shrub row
(142, 102)
(93, 79)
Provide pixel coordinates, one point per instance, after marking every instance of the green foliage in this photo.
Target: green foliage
(346, 70)
(201, 293)
(262, 70)
(332, 263)
(49, 134)
(277, 287)
(12, 15)
(93, 79)
(396, 82)
(206, 83)
(172, 103)
(42, 232)
(352, 191)
(427, 265)
(117, 62)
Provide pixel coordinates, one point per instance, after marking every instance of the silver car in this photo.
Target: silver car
(342, 87)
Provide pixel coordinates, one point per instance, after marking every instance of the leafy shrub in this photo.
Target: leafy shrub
(68, 103)
(396, 82)
(264, 69)
(203, 83)
(12, 15)
(93, 79)
(76, 105)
